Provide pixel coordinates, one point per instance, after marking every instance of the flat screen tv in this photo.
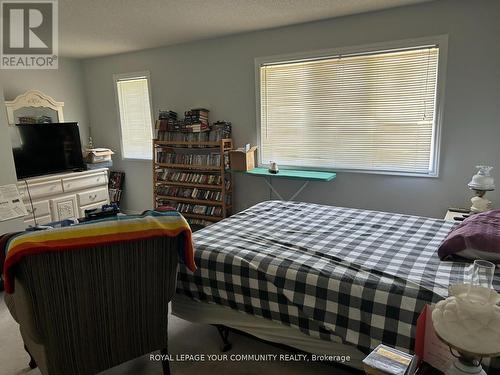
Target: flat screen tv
(46, 148)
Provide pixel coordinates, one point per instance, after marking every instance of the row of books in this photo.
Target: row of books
(192, 193)
(212, 135)
(222, 127)
(180, 126)
(167, 115)
(169, 128)
(195, 120)
(191, 177)
(212, 159)
(116, 180)
(34, 119)
(196, 116)
(115, 186)
(198, 209)
(201, 222)
(115, 195)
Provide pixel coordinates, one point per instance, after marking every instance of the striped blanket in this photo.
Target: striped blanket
(107, 231)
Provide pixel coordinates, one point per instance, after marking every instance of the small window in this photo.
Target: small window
(136, 126)
(371, 110)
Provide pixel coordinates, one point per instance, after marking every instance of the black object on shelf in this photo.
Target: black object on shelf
(115, 186)
(106, 210)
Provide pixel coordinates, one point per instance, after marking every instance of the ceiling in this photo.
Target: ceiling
(90, 28)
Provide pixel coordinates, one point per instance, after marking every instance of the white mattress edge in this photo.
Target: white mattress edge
(208, 313)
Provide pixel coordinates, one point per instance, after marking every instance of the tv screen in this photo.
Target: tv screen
(46, 148)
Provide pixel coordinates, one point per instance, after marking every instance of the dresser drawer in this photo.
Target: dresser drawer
(64, 208)
(79, 183)
(91, 206)
(42, 189)
(92, 196)
(40, 208)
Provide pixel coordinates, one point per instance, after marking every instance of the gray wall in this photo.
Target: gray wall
(64, 84)
(219, 74)
(7, 170)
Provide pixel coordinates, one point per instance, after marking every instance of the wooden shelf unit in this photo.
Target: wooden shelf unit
(221, 147)
(203, 217)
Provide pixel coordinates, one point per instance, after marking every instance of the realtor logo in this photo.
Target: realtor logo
(29, 34)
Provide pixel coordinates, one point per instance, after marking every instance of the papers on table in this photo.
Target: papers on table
(11, 203)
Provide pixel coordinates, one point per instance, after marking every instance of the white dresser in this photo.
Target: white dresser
(63, 196)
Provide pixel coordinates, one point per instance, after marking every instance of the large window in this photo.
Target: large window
(373, 110)
(132, 91)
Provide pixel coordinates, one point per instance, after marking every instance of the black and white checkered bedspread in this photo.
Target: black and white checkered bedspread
(363, 276)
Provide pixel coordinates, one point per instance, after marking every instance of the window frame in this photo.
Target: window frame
(125, 76)
(440, 41)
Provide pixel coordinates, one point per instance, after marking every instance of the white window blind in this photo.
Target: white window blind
(372, 112)
(135, 117)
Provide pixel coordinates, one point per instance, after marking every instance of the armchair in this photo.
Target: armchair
(83, 311)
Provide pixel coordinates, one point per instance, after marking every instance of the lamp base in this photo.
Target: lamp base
(480, 203)
(460, 367)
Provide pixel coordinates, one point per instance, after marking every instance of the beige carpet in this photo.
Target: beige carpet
(184, 338)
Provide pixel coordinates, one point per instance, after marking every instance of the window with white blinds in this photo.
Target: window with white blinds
(135, 116)
(373, 111)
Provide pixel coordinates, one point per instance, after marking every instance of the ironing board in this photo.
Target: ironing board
(295, 174)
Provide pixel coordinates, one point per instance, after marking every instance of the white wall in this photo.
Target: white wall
(64, 84)
(219, 74)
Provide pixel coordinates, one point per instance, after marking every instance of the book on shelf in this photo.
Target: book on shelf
(200, 222)
(192, 136)
(192, 193)
(115, 186)
(116, 179)
(212, 159)
(196, 128)
(190, 208)
(167, 115)
(115, 195)
(166, 175)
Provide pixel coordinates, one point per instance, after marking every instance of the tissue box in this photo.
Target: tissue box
(241, 160)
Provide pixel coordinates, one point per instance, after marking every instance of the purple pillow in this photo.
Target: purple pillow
(477, 237)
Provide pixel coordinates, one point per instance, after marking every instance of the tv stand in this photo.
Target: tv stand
(62, 196)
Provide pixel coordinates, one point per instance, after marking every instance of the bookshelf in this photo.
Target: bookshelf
(193, 177)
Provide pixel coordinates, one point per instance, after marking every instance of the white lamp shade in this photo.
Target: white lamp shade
(482, 180)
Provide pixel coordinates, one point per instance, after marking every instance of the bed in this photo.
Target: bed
(323, 279)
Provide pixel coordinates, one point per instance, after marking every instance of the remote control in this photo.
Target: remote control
(458, 209)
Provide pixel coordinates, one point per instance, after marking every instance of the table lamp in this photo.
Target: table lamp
(481, 182)
(469, 321)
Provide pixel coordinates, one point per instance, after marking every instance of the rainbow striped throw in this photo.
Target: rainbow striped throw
(106, 231)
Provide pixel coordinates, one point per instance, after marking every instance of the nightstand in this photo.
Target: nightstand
(451, 215)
